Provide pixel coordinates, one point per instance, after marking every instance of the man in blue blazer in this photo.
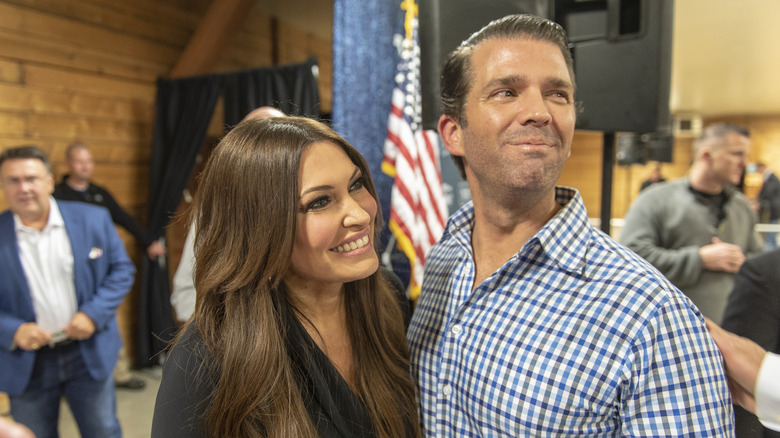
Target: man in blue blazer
(64, 272)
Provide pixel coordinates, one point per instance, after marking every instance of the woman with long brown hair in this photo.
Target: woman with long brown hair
(295, 331)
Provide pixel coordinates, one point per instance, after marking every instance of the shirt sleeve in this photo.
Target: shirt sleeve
(124, 220)
(657, 401)
(183, 295)
(768, 392)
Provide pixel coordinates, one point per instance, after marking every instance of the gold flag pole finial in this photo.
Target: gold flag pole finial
(411, 13)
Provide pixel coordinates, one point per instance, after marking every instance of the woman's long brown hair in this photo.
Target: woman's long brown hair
(245, 216)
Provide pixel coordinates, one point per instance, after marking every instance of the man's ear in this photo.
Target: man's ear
(451, 135)
(705, 155)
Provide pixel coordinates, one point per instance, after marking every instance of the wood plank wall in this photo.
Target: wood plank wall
(86, 70)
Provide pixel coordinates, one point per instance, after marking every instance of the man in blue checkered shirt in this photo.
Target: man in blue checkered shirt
(532, 322)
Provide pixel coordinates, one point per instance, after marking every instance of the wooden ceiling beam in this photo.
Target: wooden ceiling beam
(220, 22)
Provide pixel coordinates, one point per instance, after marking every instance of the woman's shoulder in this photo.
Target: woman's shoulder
(189, 353)
(187, 386)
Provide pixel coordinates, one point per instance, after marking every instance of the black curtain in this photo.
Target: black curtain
(290, 88)
(184, 109)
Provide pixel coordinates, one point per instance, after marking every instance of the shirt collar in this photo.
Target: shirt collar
(564, 238)
(55, 217)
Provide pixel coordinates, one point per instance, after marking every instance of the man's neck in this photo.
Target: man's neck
(700, 180)
(37, 222)
(77, 184)
(500, 230)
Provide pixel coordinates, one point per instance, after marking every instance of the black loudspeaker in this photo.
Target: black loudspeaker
(621, 48)
(630, 150)
(444, 24)
(622, 53)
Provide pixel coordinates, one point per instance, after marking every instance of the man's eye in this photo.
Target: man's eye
(503, 93)
(560, 96)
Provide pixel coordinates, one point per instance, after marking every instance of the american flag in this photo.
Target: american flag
(418, 209)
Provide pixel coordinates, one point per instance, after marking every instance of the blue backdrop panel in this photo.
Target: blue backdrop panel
(364, 66)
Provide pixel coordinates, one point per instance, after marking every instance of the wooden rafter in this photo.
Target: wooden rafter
(211, 36)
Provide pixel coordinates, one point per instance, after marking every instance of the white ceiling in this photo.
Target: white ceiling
(726, 53)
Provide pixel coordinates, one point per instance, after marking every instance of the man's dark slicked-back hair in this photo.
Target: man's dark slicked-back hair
(25, 152)
(456, 75)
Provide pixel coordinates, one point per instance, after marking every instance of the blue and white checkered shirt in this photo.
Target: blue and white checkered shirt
(574, 336)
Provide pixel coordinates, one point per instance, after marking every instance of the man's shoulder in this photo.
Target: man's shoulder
(737, 196)
(656, 198)
(765, 261)
(6, 219)
(97, 188)
(62, 189)
(663, 188)
(83, 210)
(617, 264)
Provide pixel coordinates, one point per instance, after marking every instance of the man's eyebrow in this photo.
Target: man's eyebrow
(557, 82)
(505, 81)
(552, 81)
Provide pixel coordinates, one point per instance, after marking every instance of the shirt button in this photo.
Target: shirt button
(446, 389)
(457, 329)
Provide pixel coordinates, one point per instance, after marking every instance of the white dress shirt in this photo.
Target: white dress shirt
(47, 260)
(768, 392)
(183, 295)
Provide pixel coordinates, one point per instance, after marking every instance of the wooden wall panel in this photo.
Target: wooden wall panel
(583, 169)
(250, 47)
(45, 51)
(88, 83)
(81, 34)
(13, 124)
(10, 71)
(65, 102)
(167, 28)
(297, 46)
(184, 13)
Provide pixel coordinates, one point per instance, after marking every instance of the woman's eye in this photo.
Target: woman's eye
(320, 202)
(358, 184)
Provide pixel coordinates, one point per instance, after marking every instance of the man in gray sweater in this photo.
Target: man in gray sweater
(699, 229)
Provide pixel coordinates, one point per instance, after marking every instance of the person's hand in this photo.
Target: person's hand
(155, 249)
(743, 359)
(80, 327)
(10, 429)
(721, 256)
(29, 336)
